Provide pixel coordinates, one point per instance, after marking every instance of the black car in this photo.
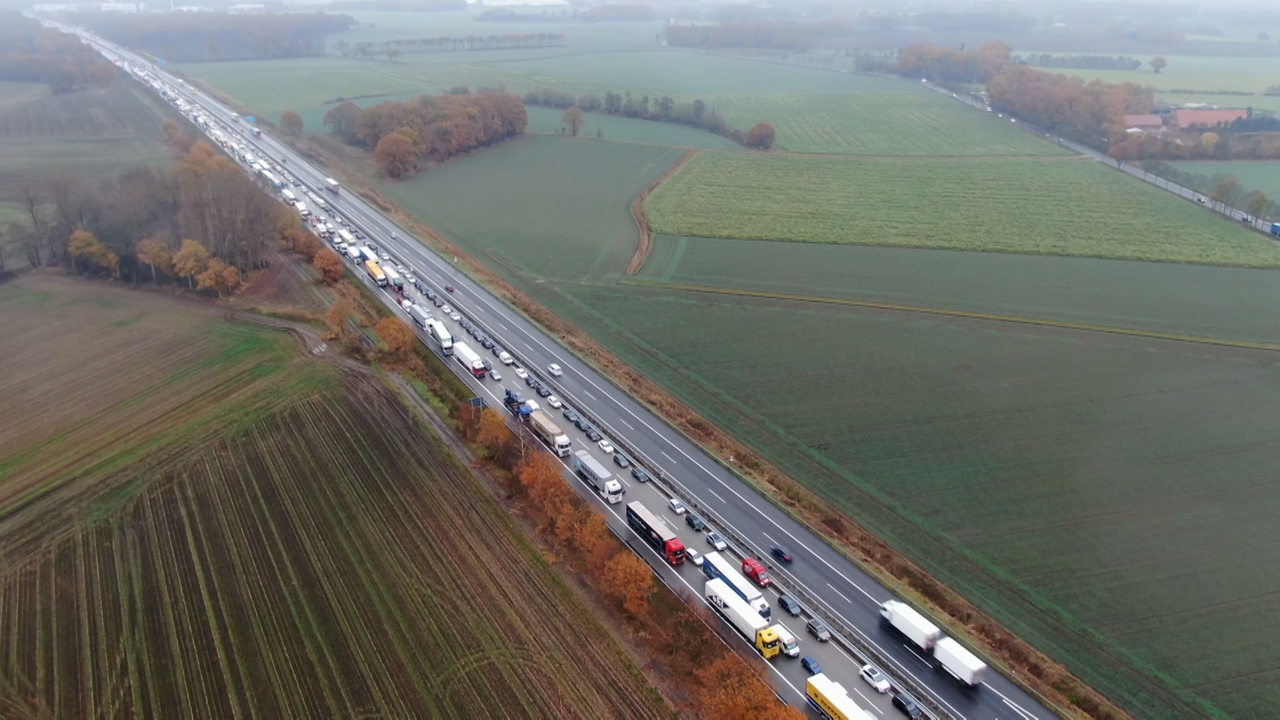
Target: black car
(791, 605)
(530, 380)
(448, 288)
(593, 434)
(695, 521)
(496, 350)
(639, 473)
(571, 416)
(908, 705)
(543, 390)
(780, 553)
(488, 366)
(431, 294)
(581, 423)
(621, 460)
(487, 344)
(438, 302)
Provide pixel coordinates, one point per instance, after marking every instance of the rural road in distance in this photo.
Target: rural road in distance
(823, 579)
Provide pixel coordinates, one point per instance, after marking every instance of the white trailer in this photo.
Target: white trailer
(345, 236)
(548, 432)
(302, 209)
(742, 616)
(468, 359)
(420, 315)
(440, 334)
(910, 623)
(714, 565)
(288, 196)
(368, 253)
(959, 662)
(331, 185)
(597, 476)
(353, 252)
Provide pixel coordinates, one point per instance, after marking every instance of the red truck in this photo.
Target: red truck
(756, 570)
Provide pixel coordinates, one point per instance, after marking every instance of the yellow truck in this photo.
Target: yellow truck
(375, 272)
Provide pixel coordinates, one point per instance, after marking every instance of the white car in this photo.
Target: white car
(606, 446)
(506, 358)
(555, 370)
(384, 255)
(521, 373)
(409, 278)
(677, 506)
(693, 556)
(455, 317)
(875, 678)
(446, 310)
(554, 402)
(495, 375)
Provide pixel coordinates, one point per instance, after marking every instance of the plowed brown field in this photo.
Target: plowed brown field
(209, 524)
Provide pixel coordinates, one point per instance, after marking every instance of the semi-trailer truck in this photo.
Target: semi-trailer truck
(597, 476)
(375, 272)
(910, 623)
(656, 533)
(742, 616)
(394, 279)
(440, 334)
(468, 359)
(420, 315)
(547, 431)
(959, 662)
(716, 566)
(831, 700)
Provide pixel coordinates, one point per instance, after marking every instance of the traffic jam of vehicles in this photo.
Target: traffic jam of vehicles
(733, 581)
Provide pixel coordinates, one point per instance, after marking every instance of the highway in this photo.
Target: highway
(827, 583)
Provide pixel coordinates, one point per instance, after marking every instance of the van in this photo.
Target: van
(790, 645)
(506, 358)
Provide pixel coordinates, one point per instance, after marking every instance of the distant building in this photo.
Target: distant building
(1185, 118)
(1149, 122)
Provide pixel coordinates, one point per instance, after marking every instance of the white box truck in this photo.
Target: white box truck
(790, 646)
(910, 623)
(420, 315)
(548, 432)
(959, 662)
(597, 476)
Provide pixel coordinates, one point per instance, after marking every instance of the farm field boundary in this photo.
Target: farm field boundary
(1067, 325)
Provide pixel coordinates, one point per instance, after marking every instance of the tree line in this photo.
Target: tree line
(663, 108)
(952, 66)
(1091, 113)
(1082, 62)
(1219, 187)
(204, 222)
(620, 12)
(395, 48)
(770, 36)
(206, 37)
(30, 52)
(431, 127)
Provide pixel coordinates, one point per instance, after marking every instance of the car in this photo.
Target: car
(400, 269)
(874, 678)
(693, 556)
(554, 401)
(446, 309)
(640, 474)
(529, 380)
(409, 278)
(448, 288)
(506, 358)
(908, 705)
(819, 630)
(359, 235)
(455, 317)
(695, 521)
(495, 375)
(811, 664)
(522, 373)
(581, 423)
(716, 540)
(621, 460)
(677, 506)
(384, 255)
(791, 605)
(780, 553)
(543, 390)
(496, 350)
(606, 446)
(593, 434)
(571, 416)
(436, 301)
(555, 370)
(488, 366)
(431, 294)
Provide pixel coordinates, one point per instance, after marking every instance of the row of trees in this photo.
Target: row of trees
(395, 48)
(1221, 144)
(208, 200)
(1090, 112)
(200, 37)
(1219, 187)
(946, 65)
(769, 36)
(663, 108)
(29, 52)
(192, 260)
(1083, 62)
(620, 12)
(431, 127)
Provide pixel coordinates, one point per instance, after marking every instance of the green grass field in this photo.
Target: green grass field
(1253, 175)
(989, 204)
(231, 528)
(896, 119)
(565, 204)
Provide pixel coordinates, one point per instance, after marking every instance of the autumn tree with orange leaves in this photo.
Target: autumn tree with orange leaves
(398, 337)
(328, 264)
